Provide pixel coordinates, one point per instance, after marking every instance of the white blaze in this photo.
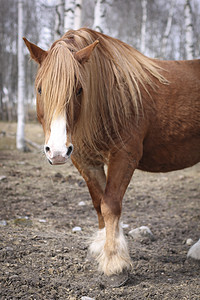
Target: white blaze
(58, 137)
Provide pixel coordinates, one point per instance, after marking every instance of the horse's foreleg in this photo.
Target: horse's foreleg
(96, 182)
(95, 179)
(114, 257)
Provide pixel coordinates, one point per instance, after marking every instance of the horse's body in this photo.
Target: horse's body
(120, 108)
(173, 140)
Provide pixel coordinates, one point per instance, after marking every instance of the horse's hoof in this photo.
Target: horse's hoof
(115, 280)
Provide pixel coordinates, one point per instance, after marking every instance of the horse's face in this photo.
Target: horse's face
(54, 121)
(57, 147)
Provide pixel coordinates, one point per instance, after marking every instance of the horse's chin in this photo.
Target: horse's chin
(57, 162)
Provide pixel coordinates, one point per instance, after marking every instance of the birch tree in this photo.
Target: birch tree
(100, 15)
(69, 15)
(59, 20)
(167, 29)
(21, 79)
(189, 31)
(143, 26)
(78, 14)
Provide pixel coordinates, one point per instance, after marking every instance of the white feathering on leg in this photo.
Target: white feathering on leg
(114, 261)
(97, 242)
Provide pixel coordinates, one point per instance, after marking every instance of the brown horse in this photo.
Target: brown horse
(115, 106)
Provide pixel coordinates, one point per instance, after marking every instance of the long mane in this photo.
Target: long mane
(111, 81)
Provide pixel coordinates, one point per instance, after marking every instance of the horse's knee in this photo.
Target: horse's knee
(110, 208)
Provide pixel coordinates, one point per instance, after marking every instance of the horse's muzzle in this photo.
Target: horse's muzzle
(57, 158)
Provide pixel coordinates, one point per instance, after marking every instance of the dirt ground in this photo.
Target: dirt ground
(42, 258)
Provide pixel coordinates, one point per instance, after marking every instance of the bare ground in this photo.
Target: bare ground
(40, 256)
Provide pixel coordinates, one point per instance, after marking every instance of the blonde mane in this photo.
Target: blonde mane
(111, 84)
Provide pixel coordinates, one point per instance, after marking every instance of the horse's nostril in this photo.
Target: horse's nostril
(69, 151)
(47, 149)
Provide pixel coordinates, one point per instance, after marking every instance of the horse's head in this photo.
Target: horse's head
(59, 91)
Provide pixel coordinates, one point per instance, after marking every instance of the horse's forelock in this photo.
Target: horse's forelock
(57, 79)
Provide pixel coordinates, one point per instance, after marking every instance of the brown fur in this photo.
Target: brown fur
(133, 112)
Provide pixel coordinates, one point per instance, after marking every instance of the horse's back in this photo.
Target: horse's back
(172, 141)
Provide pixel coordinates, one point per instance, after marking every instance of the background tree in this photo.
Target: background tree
(189, 31)
(78, 14)
(69, 15)
(101, 13)
(59, 19)
(21, 79)
(143, 26)
(8, 59)
(167, 29)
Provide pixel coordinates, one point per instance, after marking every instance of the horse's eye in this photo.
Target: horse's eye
(39, 90)
(79, 91)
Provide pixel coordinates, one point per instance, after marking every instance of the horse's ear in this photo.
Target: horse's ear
(36, 53)
(84, 54)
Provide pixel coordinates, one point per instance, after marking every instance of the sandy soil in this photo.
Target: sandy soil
(42, 258)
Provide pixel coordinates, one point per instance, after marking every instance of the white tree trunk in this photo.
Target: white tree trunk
(78, 14)
(101, 14)
(59, 19)
(189, 31)
(21, 78)
(69, 15)
(167, 29)
(143, 27)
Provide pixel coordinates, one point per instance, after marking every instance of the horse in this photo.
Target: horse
(102, 102)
